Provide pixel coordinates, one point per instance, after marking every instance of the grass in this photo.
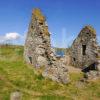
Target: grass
(16, 75)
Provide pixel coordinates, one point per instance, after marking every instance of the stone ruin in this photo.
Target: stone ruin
(84, 48)
(38, 51)
(84, 51)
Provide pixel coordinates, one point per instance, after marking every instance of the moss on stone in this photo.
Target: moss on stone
(37, 13)
(92, 30)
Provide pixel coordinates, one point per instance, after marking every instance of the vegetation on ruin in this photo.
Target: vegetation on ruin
(16, 75)
(37, 13)
(91, 29)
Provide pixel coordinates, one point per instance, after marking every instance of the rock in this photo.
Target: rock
(42, 61)
(57, 73)
(15, 96)
(40, 51)
(92, 75)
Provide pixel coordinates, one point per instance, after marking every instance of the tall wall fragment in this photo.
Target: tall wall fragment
(38, 49)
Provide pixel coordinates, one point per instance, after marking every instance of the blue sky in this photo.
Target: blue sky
(65, 18)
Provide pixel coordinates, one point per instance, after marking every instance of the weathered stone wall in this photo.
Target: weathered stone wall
(98, 52)
(37, 41)
(38, 51)
(84, 48)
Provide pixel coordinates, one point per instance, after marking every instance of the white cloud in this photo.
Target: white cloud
(12, 36)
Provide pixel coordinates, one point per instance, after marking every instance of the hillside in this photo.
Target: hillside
(16, 75)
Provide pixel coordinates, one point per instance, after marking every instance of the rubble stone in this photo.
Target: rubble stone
(91, 75)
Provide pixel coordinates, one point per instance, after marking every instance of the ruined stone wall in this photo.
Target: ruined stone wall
(84, 48)
(38, 51)
(98, 52)
(37, 41)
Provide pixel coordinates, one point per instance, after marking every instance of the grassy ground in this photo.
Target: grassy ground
(15, 75)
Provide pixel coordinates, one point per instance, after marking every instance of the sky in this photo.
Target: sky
(65, 19)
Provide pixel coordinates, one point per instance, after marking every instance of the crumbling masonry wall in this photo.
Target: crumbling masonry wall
(37, 42)
(38, 51)
(84, 48)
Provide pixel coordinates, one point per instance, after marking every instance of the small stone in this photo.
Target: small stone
(92, 75)
(15, 96)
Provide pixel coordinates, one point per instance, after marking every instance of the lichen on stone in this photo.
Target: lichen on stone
(38, 15)
(92, 30)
